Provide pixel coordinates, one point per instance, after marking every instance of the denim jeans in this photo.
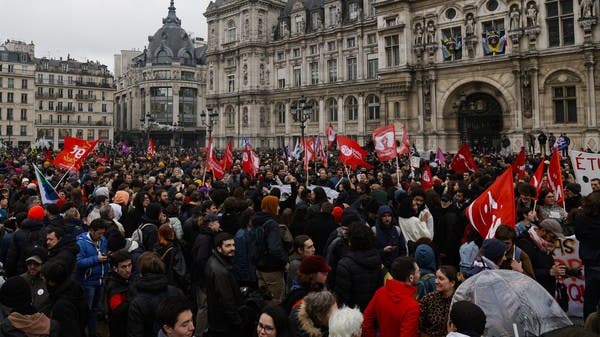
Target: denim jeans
(93, 294)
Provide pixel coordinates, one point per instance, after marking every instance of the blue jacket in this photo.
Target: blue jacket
(391, 236)
(89, 270)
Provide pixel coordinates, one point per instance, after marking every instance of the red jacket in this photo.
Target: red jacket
(394, 310)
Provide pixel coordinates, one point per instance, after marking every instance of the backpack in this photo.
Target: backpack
(426, 286)
(138, 234)
(257, 245)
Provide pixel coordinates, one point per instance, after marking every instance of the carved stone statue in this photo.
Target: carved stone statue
(418, 34)
(470, 25)
(532, 13)
(515, 18)
(587, 9)
(430, 32)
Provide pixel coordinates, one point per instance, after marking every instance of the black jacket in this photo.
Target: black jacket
(587, 231)
(275, 257)
(318, 227)
(146, 295)
(31, 232)
(540, 261)
(69, 309)
(203, 245)
(66, 251)
(115, 286)
(223, 296)
(358, 275)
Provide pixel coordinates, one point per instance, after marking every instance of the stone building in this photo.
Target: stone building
(73, 98)
(161, 90)
(16, 93)
(452, 71)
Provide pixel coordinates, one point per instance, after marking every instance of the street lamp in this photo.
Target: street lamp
(209, 120)
(146, 121)
(301, 111)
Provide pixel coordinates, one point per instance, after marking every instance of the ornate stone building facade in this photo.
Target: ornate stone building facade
(160, 91)
(452, 71)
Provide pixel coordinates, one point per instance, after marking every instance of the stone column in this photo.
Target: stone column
(519, 100)
(433, 102)
(591, 85)
(535, 100)
(341, 117)
(361, 115)
(420, 109)
(322, 115)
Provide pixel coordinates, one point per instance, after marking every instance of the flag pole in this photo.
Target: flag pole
(63, 177)
(397, 169)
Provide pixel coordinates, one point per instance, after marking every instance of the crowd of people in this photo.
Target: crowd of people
(146, 247)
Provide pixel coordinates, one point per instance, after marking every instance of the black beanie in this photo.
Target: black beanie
(468, 318)
(15, 293)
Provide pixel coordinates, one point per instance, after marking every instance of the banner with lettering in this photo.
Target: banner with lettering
(567, 253)
(586, 167)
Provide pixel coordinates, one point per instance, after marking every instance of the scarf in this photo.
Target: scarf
(542, 244)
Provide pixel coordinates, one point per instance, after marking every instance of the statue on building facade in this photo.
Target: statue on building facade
(532, 13)
(418, 34)
(430, 32)
(515, 18)
(470, 25)
(587, 9)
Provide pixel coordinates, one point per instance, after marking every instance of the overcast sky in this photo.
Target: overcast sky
(93, 29)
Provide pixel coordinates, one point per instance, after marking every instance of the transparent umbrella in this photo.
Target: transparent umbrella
(515, 305)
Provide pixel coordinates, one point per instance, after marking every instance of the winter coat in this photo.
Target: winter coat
(90, 271)
(147, 293)
(318, 227)
(117, 299)
(244, 268)
(540, 261)
(587, 231)
(303, 324)
(39, 293)
(275, 257)
(394, 310)
(425, 258)
(31, 232)
(223, 297)
(69, 309)
(20, 325)
(358, 275)
(66, 250)
(200, 254)
(175, 266)
(388, 236)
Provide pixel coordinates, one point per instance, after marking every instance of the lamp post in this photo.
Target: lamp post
(146, 121)
(301, 112)
(209, 120)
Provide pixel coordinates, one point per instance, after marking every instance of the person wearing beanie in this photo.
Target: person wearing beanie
(272, 261)
(31, 233)
(23, 319)
(466, 320)
(40, 298)
(425, 258)
(572, 196)
(491, 255)
(310, 276)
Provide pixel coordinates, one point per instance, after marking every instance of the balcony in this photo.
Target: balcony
(86, 97)
(46, 95)
(64, 109)
(72, 123)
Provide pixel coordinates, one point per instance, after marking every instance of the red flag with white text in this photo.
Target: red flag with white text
(151, 149)
(351, 153)
(463, 160)
(384, 140)
(404, 143)
(74, 152)
(518, 166)
(320, 149)
(330, 132)
(250, 161)
(212, 163)
(309, 151)
(426, 178)
(555, 180)
(494, 207)
(536, 180)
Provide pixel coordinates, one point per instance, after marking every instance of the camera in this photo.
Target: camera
(572, 272)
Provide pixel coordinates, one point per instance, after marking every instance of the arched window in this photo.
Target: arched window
(352, 108)
(163, 57)
(281, 113)
(332, 109)
(230, 115)
(373, 107)
(231, 31)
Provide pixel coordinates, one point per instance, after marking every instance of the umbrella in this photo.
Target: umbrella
(515, 305)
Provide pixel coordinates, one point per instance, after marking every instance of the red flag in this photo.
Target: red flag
(321, 151)
(228, 156)
(555, 180)
(309, 151)
(330, 132)
(426, 178)
(212, 163)
(518, 166)
(536, 180)
(74, 153)
(351, 153)
(384, 139)
(463, 160)
(151, 149)
(494, 207)
(404, 143)
(250, 161)
(48, 155)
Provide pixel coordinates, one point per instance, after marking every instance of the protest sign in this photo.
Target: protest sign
(586, 167)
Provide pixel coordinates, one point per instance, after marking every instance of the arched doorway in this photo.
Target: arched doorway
(480, 121)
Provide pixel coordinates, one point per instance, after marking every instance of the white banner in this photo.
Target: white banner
(586, 167)
(331, 193)
(567, 253)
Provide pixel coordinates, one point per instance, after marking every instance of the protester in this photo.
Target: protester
(425, 258)
(174, 316)
(388, 237)
(466, 320)
(310, 277)
(40, 298)
(516, 258)
(116, 289)
(435, 306)
(548, 208)
(345, 322)
(311, 317)
(273, 322)
(303, 247)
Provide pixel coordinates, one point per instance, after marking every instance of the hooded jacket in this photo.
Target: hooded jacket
(587, 231)
(275, 258)
(304, 325)
(69, 309)
(358, 275)
(30, 233)
(90, 271)
(394, 310)
(20, 325)
(425, 258)
(390, 236)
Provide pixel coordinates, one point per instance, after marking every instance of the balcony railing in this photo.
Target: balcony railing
(86, 97)
(71, 123)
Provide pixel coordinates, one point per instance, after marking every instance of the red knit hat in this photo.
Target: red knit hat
(314, 264)
(337, 213)
(36, 213)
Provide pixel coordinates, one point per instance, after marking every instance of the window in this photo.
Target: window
(351, 68)
(23, 130)
(372, 10)
(24, 84)
(40, 78)
(60, 93)
(314, 112)
(70, 93)
(90, 107)
(10, 97)
(103, 107)
(392, 50)
(51, 92)
(231, 62)
(560, 22)
(492, 5)
(11, 83)
(333, 16)
(373, 107)
(11, 68)
(231, 83)
(281, 83)
(396, 109)
(70, 106)
(314, 49)
(351, 42)
(331, 46)
(314, 73)
(9, 114)
(281, 113)
(390, 22)
(51, 105)
(352, 108)
(40, 105)
(51, 79)
(299, 21)
(450, 13)
(161, 104)
(450, 39)
(60, 79)
(1, 82)
(280, 56)
(296, 52)
(332, 109)
(230, 114)
(372, 65)
(23, 114)
(493, 25)
(79, 106)
(24, 98)
(297, 77)
(353, 10)
(185, 75)
(231, 31)
(332, 70)
(9, 130)
(315, 20)
(565, 104)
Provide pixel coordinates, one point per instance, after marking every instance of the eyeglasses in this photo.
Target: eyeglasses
(267, 329)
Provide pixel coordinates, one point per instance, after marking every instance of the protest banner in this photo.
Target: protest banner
(586, 167)
(567, 253)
